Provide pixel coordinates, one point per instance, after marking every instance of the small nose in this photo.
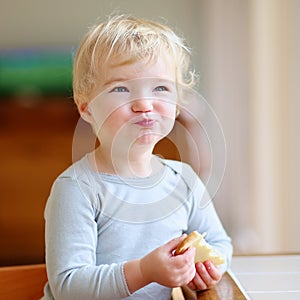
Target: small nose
(142, 105)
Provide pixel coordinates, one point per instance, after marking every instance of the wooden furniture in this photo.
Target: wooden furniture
(226, 289)
(36, 145)
(22, 282)
(27, 283)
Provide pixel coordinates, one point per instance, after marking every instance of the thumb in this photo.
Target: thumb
(172, 244)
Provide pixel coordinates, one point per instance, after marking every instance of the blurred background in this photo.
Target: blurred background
(246, 55)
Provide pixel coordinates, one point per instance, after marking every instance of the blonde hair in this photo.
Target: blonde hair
(131, 38)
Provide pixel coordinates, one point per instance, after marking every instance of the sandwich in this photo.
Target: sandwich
(204, 251)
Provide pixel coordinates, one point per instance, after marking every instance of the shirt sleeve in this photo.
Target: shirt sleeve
(71, 242)
(204, 218)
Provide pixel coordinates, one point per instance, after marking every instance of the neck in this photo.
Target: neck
(134, 164)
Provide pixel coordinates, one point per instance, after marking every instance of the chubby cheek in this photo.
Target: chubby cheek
(167, 110)
(167, 113)
(114, 122)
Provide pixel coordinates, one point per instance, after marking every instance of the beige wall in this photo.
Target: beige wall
(271, 101)
(247, 56)
(35, 22)
(251, 72)
(292, 211)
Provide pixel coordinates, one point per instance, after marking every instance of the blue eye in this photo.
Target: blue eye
(119, 89)
(161, 89)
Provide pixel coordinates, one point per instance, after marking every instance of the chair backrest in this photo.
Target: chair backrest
(22, 282)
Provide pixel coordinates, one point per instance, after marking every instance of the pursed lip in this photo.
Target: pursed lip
(145, 121)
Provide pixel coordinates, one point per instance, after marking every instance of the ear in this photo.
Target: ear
(85, 113)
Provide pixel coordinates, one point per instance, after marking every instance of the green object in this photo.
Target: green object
(36, 72)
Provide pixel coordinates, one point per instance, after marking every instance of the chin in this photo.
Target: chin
(148, 139)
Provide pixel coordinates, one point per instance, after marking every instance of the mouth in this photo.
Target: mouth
(145, 122)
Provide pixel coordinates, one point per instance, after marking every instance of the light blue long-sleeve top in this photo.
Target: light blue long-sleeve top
(96, 222)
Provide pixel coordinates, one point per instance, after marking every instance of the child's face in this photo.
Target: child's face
(135, 103)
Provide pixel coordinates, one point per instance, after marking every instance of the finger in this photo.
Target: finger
(204, 275)
(190, 253)
(172, 244)
(199, 283)
(213, 271)
(192, 286)
(185, 261)
(187, 257)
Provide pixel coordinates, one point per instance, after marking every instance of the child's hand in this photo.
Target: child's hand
(163, 267)
(207, 275)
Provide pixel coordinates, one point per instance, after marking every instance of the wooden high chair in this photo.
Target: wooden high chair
(22, 282)
(27, 283)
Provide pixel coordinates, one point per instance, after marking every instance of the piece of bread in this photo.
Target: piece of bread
(204, 251)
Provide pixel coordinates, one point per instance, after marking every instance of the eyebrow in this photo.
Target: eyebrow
(112, 80)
